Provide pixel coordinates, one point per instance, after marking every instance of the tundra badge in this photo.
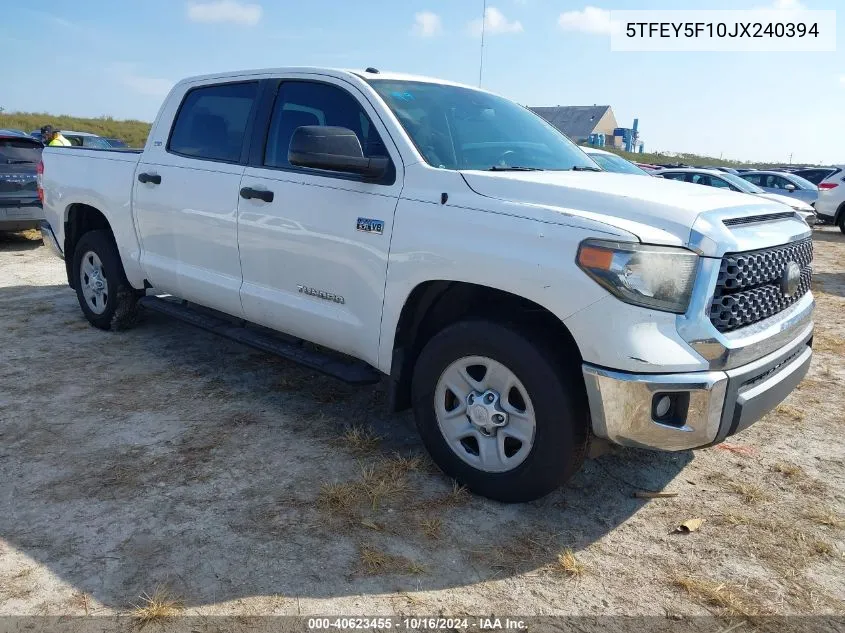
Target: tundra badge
(368, 225)
(320, 294)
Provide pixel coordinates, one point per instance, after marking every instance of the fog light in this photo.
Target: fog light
(670, 408)
(663, 406)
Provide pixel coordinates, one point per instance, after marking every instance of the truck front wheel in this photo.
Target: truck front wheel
(105, 296)
(499, 412)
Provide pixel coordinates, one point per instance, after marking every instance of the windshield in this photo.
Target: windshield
(801, 183)
(461, 128)
(18, 151)
(614, 163)
(741, 183)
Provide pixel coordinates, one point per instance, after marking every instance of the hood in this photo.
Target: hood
(795, 203)
(646, 207)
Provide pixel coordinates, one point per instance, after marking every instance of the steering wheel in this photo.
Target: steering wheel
(507, 158)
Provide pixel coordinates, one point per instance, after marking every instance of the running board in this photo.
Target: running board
(352, 372)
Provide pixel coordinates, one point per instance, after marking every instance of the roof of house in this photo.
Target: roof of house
(575, 121)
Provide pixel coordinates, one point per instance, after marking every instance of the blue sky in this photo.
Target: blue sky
(118, 58)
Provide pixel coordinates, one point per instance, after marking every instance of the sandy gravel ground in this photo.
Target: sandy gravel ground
(166, 464)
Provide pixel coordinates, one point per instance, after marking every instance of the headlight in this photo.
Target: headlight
(659, 277)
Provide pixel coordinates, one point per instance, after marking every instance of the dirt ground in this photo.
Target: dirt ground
(163, 467)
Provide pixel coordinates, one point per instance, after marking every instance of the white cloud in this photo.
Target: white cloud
(225, 11)
(588, 20)
(842, 79)
(789, 4)
(495, 23)
(427, 24)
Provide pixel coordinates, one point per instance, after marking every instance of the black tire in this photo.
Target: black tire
(841, 223)
(555, 389)
(121, 304)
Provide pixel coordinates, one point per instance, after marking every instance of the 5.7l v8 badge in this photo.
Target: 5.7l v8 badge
(368, 225)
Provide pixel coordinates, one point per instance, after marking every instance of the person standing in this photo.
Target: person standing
(53, 137)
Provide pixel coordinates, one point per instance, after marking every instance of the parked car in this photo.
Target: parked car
(723, 180)
(831, 203)
(815, 174)
(648, 167)
(20, 207)
(79, 139)
(609, 161)
(522, 301)
(785, 184)
(727, 170)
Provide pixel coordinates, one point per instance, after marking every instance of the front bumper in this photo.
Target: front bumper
(712, 405)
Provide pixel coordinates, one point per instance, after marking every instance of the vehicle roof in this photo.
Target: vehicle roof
(14, 134)
(331, 72)
(69, 132)
(693, 170)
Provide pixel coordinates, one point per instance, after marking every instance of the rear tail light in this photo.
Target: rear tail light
(826, 186)
(39, 178)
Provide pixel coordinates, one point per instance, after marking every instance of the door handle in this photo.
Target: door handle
(153, 179)
(262, 194)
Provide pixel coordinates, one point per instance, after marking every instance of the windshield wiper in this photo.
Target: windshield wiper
(513, 168)
(585, 168)
(12, 161)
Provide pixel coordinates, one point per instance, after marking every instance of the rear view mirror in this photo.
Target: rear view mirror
(333, 149)
(790, 188)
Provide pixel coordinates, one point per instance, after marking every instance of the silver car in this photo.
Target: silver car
(733, 182)
(784, 184)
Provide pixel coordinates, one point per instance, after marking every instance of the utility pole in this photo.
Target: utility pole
(790, 158)
(483, 29)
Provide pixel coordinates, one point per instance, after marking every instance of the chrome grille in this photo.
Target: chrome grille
(749, 286)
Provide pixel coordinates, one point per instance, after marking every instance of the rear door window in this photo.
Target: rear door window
(212, 120)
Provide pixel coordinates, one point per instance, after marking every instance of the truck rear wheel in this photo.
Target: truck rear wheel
(105, 296)
(498, 413)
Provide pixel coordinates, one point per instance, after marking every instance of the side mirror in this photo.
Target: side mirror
(333, 149)
(790, 188)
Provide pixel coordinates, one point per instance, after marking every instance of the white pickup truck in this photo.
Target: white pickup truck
(522, 301)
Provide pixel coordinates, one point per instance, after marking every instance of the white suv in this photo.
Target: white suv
(830, 206)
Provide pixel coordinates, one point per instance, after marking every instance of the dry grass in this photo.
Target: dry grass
(521, 552)
(380, 484)
(788, 470)
(31, 234)
(720, 595)
(824, 342)
(823, 548)
(360, 439)
(82, 601)
(384, 481)
(789, 412)
(432, 527)
(568, 565)
(749, 492)
(341, 498)
(156, 607)
(825, 518)
(374, 562)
